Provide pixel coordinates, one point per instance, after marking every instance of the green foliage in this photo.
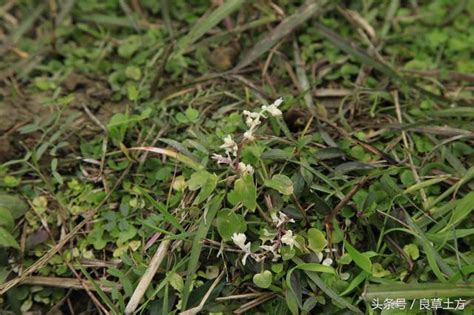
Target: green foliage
(263, 279)
(133, 123)
(228, 222)
(316, 239)
(204, 181)
(281, 183)
(244, 192)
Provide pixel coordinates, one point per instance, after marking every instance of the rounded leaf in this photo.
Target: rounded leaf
(281, 183)
(317, 240)
(263, 280)
(228, 222)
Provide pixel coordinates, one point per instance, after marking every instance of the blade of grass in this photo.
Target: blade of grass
(173, 154)
(434, 258)
(163, 210)
(311, 271)
(465, 179)
(418, 290)
(206, 221)
(205, 23)
(330, 292)
(464, 207)
(287, 26)
(354, 50)
(99, 290)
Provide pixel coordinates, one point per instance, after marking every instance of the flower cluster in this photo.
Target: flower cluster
(239, 239)
(252, 120)
(281, 237)
(231, 148)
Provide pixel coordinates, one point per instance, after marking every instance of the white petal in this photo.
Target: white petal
(288, 239)
(249, 135)
(278, 102)
(239, 239)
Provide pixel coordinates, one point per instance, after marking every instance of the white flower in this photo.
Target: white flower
(289, 239)
(230, 146)
(280, 219)
(278, 102)
(272, 249)
(267, 236)
(221, 159)
(244, 259)
(272, 109)
(239, 240)
(249, 135)
(327, 262)
(253, 119)
(245, 168)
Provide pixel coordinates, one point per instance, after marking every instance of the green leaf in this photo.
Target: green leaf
(198, 179)
(291, 301)
(6, 218)
(127, 49)
(191, 114)
(245, 192)
(118, 126)
(176, 281)
(360, 260)
(355, 283)
(211, 210)
(205, 181)
(133, 72)
(463, 208)
(207, 189)
(378, 271)
(412, 251)
(132, 92)
(281, 183)
(316, 268)
(317, 240)
(311, 271)
(14, 204)
(263, 280)
(287, 252)
(11, 181)
(7, 240)
(228, 222)
(163, 210)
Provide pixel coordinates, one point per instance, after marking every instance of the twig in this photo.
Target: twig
(58, 282)
(240, 296)
(145, 281)
(345, 200)
(247, 306)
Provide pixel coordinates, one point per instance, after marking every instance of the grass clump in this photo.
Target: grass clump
(185, 157)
